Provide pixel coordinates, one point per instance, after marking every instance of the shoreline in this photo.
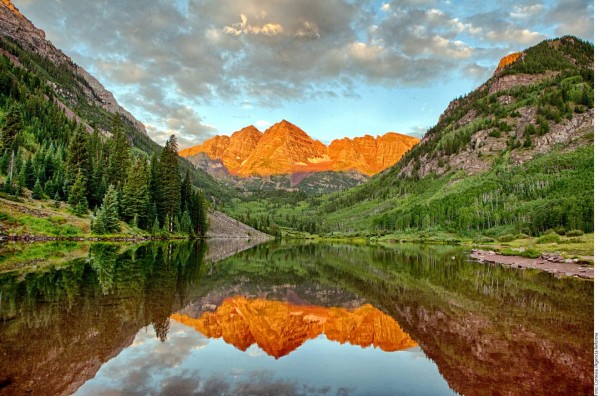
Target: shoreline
(135, 239)
(555, 264)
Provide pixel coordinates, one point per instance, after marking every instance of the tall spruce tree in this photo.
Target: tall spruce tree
(98, 152)
(12, 128)
(29, 174)
(168, 201)
(38, 191)
(118, 156)
(199, 215)
(77, 200)
(135, 199)
(107, 220)
(78, 160)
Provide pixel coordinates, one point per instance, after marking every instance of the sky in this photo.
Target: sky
(188, 363)
(335, 68)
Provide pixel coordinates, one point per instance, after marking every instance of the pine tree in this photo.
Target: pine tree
(118, 156)
(97, 151)
(155, 226)
(29, 174)
(107, 220)
(38, 191)
(199, 214)
(186, 223)
(77, 200)
(21, 181)
(168, 202)
(78, 160)
(12, 128)
(4, 159)
(135, 196)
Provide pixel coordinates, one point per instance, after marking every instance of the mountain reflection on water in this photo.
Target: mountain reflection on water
(279, 328)
(117, 318)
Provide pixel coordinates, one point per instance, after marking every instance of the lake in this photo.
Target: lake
(284, 318)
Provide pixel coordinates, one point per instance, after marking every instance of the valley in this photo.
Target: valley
(321, 248)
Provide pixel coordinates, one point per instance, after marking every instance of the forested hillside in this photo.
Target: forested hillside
(47, 152)
(515, 155)
(47, 155)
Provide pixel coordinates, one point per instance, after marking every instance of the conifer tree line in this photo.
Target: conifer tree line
(53, 157)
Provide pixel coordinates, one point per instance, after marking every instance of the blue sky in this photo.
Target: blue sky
(335, 68)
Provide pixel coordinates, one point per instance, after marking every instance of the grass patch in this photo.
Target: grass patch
(527, 253)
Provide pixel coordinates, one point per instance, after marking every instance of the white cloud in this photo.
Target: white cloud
(520, 36)
(268, 29)
(525, 11)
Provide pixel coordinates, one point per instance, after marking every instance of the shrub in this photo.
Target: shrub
(506, 238)
(574, 240)
(530, 253)
(574, 233)
(483, 239)
(549, 238)
(527, 253)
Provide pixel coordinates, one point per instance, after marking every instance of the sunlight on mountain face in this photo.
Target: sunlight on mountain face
(279, 328)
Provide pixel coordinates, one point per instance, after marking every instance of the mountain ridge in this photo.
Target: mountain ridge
(285, 148)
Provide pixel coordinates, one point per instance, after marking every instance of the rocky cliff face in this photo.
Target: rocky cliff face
(19, 29)
(370, 155)
(286, 149)
(232, 151)
(279, 328)
(507, 60)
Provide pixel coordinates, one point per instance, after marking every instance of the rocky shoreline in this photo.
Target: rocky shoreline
(552, 263)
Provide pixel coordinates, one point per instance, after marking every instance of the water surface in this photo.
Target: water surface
(286, 319)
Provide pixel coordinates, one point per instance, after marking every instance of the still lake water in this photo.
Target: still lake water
(286, 319)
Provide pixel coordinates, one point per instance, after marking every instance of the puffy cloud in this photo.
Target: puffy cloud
(526, 11)
(520, 36)
(268, 29)
(166, 60)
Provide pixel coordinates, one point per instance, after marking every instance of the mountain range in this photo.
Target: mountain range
(284, 148)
